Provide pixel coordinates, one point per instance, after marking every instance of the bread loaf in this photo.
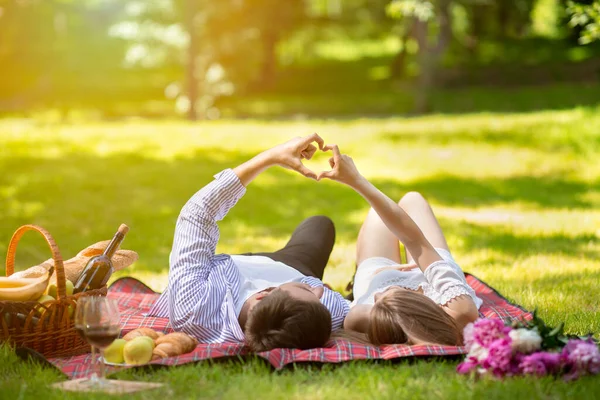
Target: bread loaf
(168, 349)
(121, 259)
(74, 266)
(173, 344)
(141, 332)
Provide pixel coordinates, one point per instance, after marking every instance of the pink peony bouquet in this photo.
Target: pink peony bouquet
(529, 348)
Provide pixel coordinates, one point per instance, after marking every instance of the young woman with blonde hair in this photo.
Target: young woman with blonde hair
(427, 301)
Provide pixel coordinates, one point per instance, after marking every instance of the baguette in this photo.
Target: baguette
(74, 266)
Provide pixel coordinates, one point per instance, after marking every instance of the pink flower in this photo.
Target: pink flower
(487, 330)
(499, 359)
(552, 361)
(532, 365)
(540, 363)
(580, 357)
(467, 366)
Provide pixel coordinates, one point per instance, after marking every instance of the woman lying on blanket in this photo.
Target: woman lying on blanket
(427, 301)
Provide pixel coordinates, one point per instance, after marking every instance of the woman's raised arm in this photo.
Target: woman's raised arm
(392, 215)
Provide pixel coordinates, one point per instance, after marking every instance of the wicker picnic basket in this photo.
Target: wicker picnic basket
(46, 328)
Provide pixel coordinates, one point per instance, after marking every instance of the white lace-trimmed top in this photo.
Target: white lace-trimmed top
(442, 281)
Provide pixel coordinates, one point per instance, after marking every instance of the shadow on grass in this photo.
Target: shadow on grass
(82, 198)
(380, 99)
(583, 285)
(525, 136)
(569, 297)
(549, 191)
(476, 237)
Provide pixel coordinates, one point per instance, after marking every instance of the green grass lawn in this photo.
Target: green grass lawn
(518, 196)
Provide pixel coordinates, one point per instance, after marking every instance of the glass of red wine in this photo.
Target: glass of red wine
(102, 325)
(79, 322)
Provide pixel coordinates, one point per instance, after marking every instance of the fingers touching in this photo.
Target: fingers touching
(315, 138)
(335, 149)
(306, 172)
(305, 148)
(326, 174)
(308, 152)
(333, 162)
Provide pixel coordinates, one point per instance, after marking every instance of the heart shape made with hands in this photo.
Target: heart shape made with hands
(305, 148)
(318, 161)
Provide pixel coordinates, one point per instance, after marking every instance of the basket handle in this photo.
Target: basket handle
(59, 268)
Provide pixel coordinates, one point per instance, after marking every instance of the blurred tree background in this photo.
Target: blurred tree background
(245, 58)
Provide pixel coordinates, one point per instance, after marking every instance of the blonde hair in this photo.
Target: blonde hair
(405, 316)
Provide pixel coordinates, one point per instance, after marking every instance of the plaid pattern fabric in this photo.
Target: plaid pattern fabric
(135, 299)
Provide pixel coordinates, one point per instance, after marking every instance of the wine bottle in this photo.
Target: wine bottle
(99, 268)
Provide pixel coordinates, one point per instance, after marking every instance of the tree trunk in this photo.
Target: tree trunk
(427, 63)
(478, 20)
(478, 12)
(504, 8)
(398, 67)
(192, 79)
(269, 65)
(524, 20)
(429, 56)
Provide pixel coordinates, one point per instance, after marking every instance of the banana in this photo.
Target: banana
(24, 289)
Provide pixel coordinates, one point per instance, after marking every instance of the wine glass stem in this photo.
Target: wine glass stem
(94, 376)
(102, 367)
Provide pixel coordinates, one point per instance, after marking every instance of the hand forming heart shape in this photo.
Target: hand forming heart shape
(317, 161)
(291, 154)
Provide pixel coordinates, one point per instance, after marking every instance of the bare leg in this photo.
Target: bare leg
(415, 205)
(376, 240)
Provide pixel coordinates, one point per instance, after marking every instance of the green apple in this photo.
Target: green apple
(137, 351)
(114, 352)
(44, 298)
(69, 287)
(150, 340)
(53, 289)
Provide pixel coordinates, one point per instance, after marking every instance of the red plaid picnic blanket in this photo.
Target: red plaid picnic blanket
(135, 299)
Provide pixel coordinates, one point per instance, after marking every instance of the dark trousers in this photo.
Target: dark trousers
(309, 248)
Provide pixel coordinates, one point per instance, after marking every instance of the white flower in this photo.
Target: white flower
(478, 352)
(468, 336)
(525, 340)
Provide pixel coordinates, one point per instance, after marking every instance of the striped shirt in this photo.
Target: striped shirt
(203, 286)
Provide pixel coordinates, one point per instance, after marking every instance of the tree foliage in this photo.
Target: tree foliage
(189, 53)
(587, 17)
(56, 50)
(225, 45)
(423, 10)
